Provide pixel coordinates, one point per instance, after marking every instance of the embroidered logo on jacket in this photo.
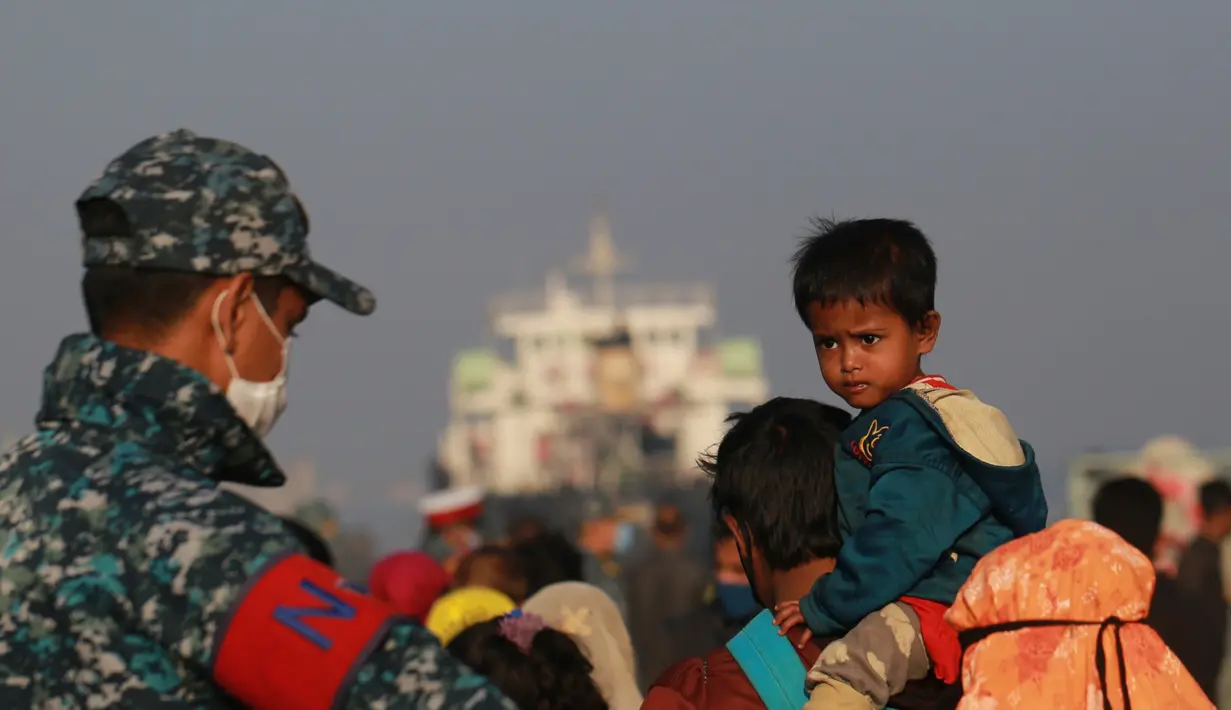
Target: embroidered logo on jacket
(866, 444)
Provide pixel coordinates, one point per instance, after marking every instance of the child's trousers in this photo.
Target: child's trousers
(872, 663)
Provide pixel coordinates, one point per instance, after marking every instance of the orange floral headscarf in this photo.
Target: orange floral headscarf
(1054, 620)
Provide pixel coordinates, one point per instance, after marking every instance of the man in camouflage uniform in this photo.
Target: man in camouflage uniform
(128, 577)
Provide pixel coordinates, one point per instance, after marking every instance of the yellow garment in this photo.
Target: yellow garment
(1078, 571)
(462, 608)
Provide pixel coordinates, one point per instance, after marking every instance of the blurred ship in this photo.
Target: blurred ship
(604, 394)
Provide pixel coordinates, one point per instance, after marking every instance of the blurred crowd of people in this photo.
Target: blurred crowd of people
(674, 602)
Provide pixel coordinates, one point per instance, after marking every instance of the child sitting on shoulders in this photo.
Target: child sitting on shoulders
(929, 478)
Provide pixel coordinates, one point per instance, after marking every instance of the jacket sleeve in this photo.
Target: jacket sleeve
(225, 587)
(915, 513)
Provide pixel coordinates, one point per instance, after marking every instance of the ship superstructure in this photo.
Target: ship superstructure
(603, 386)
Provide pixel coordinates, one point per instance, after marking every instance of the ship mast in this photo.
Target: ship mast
(602, 262)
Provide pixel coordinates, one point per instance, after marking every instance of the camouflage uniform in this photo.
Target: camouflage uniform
(121, 558)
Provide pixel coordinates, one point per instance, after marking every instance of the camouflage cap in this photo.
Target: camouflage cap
(213, 207)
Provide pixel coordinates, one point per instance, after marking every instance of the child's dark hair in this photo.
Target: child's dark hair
(773, 473)
(553, 674)
(1215, 497)
(884, 261)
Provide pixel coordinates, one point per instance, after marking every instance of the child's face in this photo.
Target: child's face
(867, 352)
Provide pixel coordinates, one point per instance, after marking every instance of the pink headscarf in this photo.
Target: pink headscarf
(409, 581)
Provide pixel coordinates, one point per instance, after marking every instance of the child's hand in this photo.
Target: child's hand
(787, 616)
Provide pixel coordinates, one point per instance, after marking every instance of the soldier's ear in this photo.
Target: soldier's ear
(226, 299)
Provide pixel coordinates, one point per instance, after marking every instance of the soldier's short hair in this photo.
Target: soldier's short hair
(151, 301)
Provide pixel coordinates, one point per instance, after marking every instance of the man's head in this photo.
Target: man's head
(1216, 510)
(866, 290)
(548, 559)
(670, 526)
(772, 484)
(174, 314)
(196, 248)
(598, 537)
(495, 568)
(1132, 508)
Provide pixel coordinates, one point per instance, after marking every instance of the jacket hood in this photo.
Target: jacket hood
(1002, 465)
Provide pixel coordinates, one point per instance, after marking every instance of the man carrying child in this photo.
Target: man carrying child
(773, 488)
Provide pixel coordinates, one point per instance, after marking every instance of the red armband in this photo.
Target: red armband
(296, 637)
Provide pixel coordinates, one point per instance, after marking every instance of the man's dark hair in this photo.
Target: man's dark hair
(152, 300)
(548, 559)
(1215, 497)
(1132, 508)
(313, 544)
(883, 261)
(773, 472)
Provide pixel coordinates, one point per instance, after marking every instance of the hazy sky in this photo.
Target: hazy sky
(1071, 161)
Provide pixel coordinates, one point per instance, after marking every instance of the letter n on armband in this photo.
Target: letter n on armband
(297, 636)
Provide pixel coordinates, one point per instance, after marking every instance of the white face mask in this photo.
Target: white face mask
(259, 404)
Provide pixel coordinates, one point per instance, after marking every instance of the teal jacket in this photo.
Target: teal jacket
(917, 510)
